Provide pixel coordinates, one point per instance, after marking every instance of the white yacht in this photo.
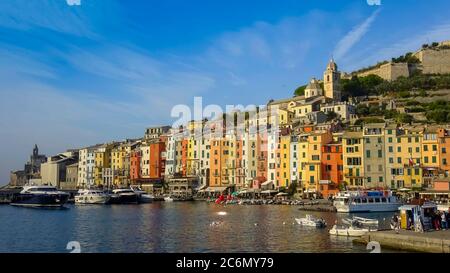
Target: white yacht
(40, 196)
(144, 197)
(124, 196)
(89, 196)
(366, 201)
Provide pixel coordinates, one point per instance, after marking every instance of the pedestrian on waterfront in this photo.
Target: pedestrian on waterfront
(436, 220)
(444, 221)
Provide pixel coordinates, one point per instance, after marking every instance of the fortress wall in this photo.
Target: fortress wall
(434, 61)
(389, 71)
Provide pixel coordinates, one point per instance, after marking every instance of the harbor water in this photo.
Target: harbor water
(171, 227)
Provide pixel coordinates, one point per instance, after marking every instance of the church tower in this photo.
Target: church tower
(332, 81)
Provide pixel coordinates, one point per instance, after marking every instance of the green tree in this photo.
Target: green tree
(300, 91)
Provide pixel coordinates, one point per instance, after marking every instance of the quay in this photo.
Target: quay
(430, 242)
(6, 195)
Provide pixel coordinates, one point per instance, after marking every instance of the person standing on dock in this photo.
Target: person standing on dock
(444, 221)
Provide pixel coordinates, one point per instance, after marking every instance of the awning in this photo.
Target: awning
(267, 183)
(269, 192)
(216, 189)
(282, 194)
(311, 191)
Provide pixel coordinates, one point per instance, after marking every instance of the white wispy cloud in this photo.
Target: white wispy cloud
(354, 36)
(73, 2)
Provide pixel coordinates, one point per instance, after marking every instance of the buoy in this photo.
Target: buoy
(222, 213)
(284, 223)
(256, 224)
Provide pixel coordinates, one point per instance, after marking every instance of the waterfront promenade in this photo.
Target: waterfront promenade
(432, 241)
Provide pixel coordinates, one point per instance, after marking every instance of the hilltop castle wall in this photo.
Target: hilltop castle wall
(389, 71)
(434, 61)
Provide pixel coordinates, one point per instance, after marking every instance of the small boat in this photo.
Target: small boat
(360, 221)
(144, 197)
(349, 231)
(40, 196)
(311, 221)
(124, 196)
(168, 199)
(89, 196)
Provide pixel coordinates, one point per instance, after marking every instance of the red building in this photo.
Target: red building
(135, 166)
(157, 160)
(332, 169)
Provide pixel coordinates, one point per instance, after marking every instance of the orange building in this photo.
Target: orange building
(215, 163)
(135, 166)
(157, 160)
(261, 149)
(444, 150)
(184, 156)
(332, 169)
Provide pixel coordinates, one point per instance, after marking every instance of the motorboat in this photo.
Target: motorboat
(311, 221)
(124, 196)
(366, 201)
(40, 196)
(350, 231)
(168, 198)
(144, 197)
(90, 196)
(360, 221)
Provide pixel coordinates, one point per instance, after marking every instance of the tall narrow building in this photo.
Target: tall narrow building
(332, 82)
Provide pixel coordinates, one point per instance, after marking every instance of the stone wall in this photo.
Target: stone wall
(434, 61)
(389, 71)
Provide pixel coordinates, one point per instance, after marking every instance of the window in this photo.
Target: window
(368, 153)
(367, 140)
(380, 153)
(390, 139)
(399, 149)
(434, 148)
(311, 167)
(391, 149)
(425, 148)
(399, 160)
(433, 159)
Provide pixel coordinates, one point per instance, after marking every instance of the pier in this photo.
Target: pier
(431, 242)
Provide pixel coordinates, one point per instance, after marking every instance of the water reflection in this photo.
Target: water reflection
(172, 227)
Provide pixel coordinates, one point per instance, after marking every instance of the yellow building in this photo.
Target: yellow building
(430, 155)
(313, 168)
(284, 116)
(352, 147)
(409, 150)
(118, 164)
(285, 157)
(102, 169)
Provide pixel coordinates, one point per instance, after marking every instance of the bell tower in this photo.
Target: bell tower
(332, 81)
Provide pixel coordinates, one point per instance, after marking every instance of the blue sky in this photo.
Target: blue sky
(95, 71)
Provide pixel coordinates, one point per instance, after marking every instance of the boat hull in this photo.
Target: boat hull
(349, 232)
(39, 200)
(92, 200)
(125, 199)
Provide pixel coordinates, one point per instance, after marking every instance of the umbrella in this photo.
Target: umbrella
(235, 193)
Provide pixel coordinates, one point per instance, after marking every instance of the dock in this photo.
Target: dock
(6, 195)
(430, 242)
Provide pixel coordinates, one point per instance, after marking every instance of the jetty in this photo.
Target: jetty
(6, 195)
(431, 242)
